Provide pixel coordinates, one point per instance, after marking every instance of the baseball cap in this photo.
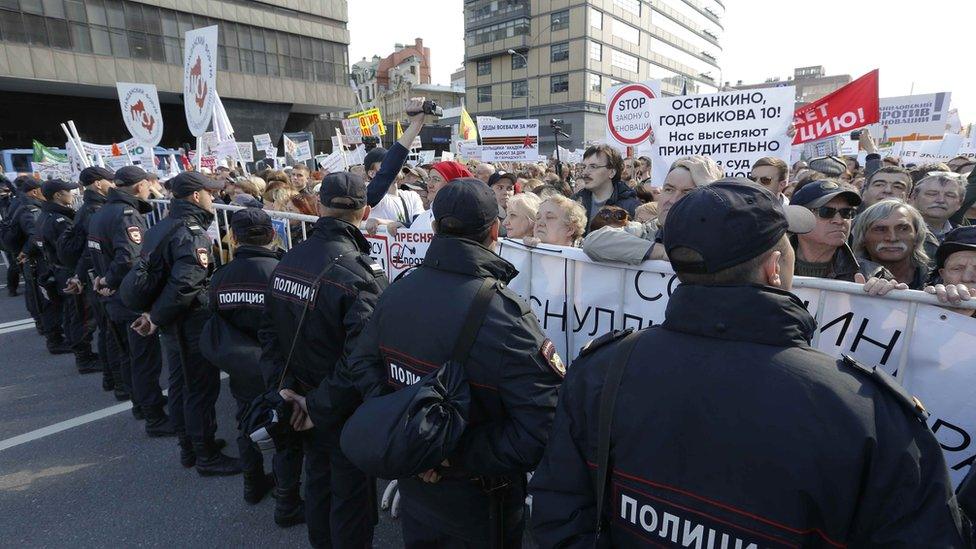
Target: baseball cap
(465, 207)
(26, 183)
(960, 239)
(51, 186)
(818, 193)
(499, 175)
(375, 155)
(186, 183)
(250, 222)
(95, 173)
(129, 175)
(343, 190)
(831, 166)
(729, 222)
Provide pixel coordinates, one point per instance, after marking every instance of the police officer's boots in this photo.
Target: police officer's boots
(108, 383)
(257, 484)
(188, 457)
(56, 345)
(87, 362)
(212, 462)
(289, 507)
(157, 422)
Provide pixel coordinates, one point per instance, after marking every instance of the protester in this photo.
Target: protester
(887, 182)
(441, 174)
(772, 173)
(646, 213)
(484, 171)
(602, 169)
(831, 167)
(937, 196)
(748, 455)
(503, 184)
(955, 263)
(523, 211)
(561, 222)
(300, 178)
(893, 235)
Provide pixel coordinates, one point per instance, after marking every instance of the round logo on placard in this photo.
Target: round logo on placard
(199, 79)
(142, 114)
(628, 114)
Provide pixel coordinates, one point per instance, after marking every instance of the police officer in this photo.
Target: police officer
(331, 273)
(477, 497)
(179, 309)
(115, 236)
(8, 202)
(56, 219)
(237, 309)
(40, 294)
(72, 252)
(727, 427)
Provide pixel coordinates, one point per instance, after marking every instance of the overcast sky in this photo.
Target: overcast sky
(929, 44)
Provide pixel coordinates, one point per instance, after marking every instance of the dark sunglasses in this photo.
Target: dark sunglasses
(826, 212)
(766, 180)
(618, 215)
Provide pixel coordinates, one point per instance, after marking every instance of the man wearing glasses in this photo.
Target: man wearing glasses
(824, 252)
(602, 169)
(772, 173)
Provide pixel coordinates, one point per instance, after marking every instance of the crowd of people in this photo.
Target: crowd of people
(321, 328)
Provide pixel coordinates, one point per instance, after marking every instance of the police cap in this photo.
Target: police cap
(26, 183)
(51, 186)
(343, 190)
(95, 173)
(127, 176)
(250, 222)
(186, 183)
(728, 223)
(466, 207)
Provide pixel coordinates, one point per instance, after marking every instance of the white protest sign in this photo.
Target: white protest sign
(352, 131)
(144, 154)
(115, 162)
(508, 140)
(847, 146)
(263, 142)
(917, 117)
(141, 112)
(406, 250)
(469, 150)
(227, 148)
(199, 77)
(733, 128)
(416, 143)
(334, 162)
(628, 112)
(426, 157)
(52, 170)
(245, 150)
(447, 155)
(299, 151)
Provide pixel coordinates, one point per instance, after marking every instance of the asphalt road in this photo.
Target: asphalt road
(76, 469)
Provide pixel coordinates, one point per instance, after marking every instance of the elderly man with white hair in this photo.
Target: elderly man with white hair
(892, 234)
(484, 171)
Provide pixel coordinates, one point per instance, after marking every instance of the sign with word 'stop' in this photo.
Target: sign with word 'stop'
(199, 78)
(628, 112)
(140, 112)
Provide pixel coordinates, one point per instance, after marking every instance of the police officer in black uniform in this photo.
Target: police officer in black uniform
(56, 219)
(513, 369)
(73, 254)
(237, 312)
(115, 236)
(727, 427)
(332, 273)
(179, 310)
(8, 203)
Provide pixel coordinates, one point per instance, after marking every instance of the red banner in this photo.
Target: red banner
(851, 107)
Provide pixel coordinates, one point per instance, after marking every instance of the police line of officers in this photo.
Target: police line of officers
(728, 430)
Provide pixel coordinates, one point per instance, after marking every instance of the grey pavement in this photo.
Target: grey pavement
(104, 483)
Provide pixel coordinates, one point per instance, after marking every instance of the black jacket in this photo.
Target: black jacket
(185, 253)
(72, 244)
(622, 196)
(728, 426)
(115, 236)
(343, 303)
(54, 221)
(513, 371)
(28, 210)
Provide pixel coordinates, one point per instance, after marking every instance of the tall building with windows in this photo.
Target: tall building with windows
(556, 58)
(283, 64)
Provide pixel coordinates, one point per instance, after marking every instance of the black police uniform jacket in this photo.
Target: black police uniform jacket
(25, 218)
(237, 293)
(72, 245)
(115, 236)
(185, 252)
(729, 430)
(513, 371)
(343, 303)
(54, 221)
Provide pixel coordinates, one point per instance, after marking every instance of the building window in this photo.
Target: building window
(559, 52)
(518, 62)
(596, 51)
(596, 18)
(500, 31)
(520, 88)
(632, 6)
(484, 67)
(558, 83)
(625, 32)
(484, 94)
(596, 82)
(623, 61)
(559, 20)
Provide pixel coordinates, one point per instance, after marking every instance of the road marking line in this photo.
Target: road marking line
(17, 322)
(16, 328)
(71, 423)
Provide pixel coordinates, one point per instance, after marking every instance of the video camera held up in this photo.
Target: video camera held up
(429, 107)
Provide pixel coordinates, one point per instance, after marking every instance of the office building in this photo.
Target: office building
(811, 83)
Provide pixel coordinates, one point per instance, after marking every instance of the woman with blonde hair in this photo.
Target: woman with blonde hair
(523, 210)
(561, 222)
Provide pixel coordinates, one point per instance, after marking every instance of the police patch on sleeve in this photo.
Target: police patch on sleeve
(549, 354)
(203, 258)
(135, 234)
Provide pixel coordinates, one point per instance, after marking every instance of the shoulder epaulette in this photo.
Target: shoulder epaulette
(910, 403)
(607, 338)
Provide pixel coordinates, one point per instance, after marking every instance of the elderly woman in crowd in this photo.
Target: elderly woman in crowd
(523, 210)
(561, 222)
(283, 196)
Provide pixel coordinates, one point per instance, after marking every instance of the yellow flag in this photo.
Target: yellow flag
(467, 128)
(399, 130)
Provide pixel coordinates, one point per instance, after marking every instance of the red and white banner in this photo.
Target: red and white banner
(851, 107)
